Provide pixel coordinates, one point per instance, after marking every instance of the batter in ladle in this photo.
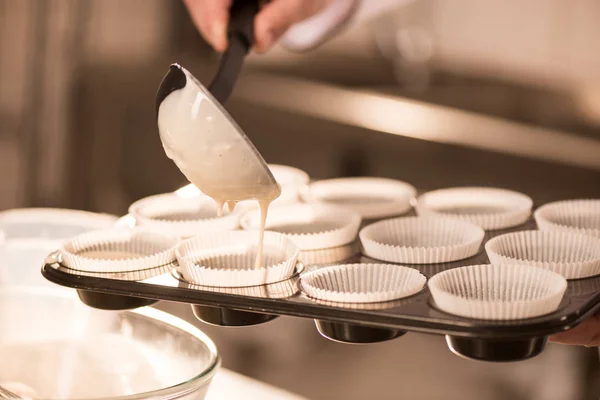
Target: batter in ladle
(210, 149)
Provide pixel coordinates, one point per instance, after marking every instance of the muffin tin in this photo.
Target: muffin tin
(358, 323)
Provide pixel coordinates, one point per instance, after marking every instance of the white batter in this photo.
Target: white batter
(212, 151)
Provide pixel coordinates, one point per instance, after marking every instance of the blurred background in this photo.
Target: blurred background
(437, 93)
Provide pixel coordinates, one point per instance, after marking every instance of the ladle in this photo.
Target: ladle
(201, 137)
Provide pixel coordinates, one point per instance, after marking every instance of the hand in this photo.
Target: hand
(585, 334)
(272, 21)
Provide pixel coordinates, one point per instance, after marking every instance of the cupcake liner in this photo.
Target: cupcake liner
(570, 254)
(370, 197)
(362, 283)
(489, 208)
(188, 191)
(277, 290)
(329, 256)
(292, 181)
(497, 292)
(227, 259)
(421, 240)
(138, 275)
(118, 250)
(181, 216)
(578, 216)
(309, 226)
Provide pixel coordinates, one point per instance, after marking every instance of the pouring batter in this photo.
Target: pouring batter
(209, 147)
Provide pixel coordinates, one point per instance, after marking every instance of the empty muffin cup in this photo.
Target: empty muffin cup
(181, 216)
(362, 283)
(497, 292)
(118, 250)
(372, 198)
(329, 256)
(579, 216)
(227, 259)
(293, 181)
(421, 240)
(309, 226)
(572, 255)
(489, 208)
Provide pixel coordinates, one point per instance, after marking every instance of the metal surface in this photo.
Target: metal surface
(419, 120)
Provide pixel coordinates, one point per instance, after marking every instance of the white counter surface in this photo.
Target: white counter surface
(230, 385)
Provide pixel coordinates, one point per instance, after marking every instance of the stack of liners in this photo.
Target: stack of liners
(489, 208)
(372, 198)
(497, 292)
(362, 283)
(421, 240)
(578, 216)
(323, 233)
(227, 259)
(181, 216)
(572, 255)
(139, 253)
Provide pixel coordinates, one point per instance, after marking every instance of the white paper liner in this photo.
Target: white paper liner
(227, 259)
(277, 290)
(421, 240)
(370, 197)
(497, 292)
(489, 208)
(570, 254)
(293, 181)
(362, 283)
(181, 216)
(118, 250)
(329, 256)
(310, 226)
(579, 216)
(137, 275)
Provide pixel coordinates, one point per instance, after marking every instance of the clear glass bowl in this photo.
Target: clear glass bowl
(54, 347)
(30, 234)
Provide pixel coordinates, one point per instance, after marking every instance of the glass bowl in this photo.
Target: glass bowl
(30, 234)
(54, 347)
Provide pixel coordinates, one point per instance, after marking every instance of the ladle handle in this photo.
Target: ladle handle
(241, 21)
(240, 34)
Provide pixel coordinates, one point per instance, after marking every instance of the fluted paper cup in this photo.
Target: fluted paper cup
(278, 290)
(329, 256)
(227, 259)
(497, 292)
(421, 240)
(362, 283)
(572, 255)
(181, 216)
(489, 208)
(293, 181)
(372, 198)
(578, 216)
(118, 250)
(310, 226)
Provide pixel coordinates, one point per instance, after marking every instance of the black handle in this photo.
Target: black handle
(240, 34)
(241, 21)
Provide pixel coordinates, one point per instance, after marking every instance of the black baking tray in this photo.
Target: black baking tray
(349, 323)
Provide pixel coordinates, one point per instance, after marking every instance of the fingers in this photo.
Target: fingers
(278, 16)
(585, 334)
(211, 18)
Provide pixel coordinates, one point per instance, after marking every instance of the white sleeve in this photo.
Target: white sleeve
(314, 31)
